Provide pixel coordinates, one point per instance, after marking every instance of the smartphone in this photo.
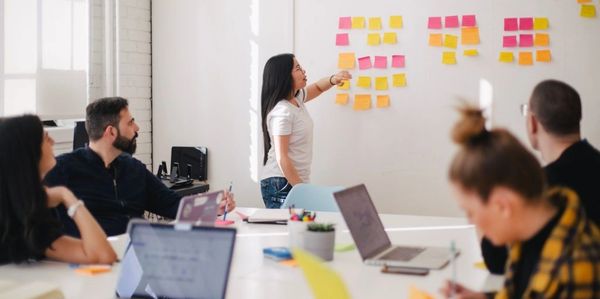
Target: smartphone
(404, 270)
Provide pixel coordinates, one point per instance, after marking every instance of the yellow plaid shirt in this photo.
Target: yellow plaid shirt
(569, 265)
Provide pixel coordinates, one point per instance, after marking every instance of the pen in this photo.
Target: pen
(453, 261)
(227, 202)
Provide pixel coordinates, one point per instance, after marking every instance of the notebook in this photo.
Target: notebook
(269, 216)
(199, 209)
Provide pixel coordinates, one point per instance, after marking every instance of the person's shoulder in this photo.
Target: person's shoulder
(131, 161)
(282, 108)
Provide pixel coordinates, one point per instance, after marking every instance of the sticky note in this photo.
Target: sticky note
(380, 62)
(381, 83)
(588, 11)
(471, 52)
(435, 39)
(364, 82)
(345, 85)
(345, 23)
(344, 247)
(358, 22)
(450, 41)
(449, 58)
(525, 58)
(451, 22)
(362, 102)
(506, 57)
(346, 61)
(541, 40)
(93, 270)
(373, 39)
(323, 281)
(525, 23)
(289, 263)
(399, 80)
(435, 23)
(469, 21)
(364, 63)
(480, 265)
(511, 24)
(415, 293)
(469, 36)
(390, 38)
(526, 40)
(341, 39)
(398, 61)
(543, 56)
(584, 1)
(342, 98)
(509, 41)
(541, 24)
(383, 101)
(396, 22)
(375, 23)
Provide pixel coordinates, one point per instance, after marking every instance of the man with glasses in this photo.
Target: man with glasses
(553, 117)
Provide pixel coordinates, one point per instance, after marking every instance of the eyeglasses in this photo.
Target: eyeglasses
(524, 109)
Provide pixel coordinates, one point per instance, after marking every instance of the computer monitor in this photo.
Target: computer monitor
(80, 135)
(196, 156)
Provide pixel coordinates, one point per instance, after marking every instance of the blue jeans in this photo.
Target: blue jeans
(274, 191)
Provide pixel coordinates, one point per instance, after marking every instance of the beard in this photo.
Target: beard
(126, 145)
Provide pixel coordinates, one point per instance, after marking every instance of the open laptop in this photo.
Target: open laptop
(176, 261)
(199, 209)
(373, 242)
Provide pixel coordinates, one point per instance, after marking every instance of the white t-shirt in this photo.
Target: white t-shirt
(287, 119)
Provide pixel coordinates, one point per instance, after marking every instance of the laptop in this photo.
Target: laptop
(199, 209)
(373, 242)
(175, 261)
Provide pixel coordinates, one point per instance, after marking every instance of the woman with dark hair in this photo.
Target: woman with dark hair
(287, 126)
(28, 230)
(554, 248)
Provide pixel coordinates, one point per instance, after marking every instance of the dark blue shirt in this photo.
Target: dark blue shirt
(113, 195)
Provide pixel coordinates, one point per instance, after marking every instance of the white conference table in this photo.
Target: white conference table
(253, 276)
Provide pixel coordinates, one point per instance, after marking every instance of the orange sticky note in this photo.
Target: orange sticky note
(588, 11)
(342, 98)
(471, 52)
(381, 83)
(390, 38)
(364, 82)
(415, 293)
(435, 39)
(506, 57)
(346, 61)
(358, 22)
(289, 263)
(396, 22)
(345, 85)
(584, 1)
(450, 41)
(541, 40)
(383, 101)
(93, 270)
(399, 80)
(375, 23)
(469, 36)
(543, 56)
(541, 24)
(449, 58)
(525, 58)
(362, 102)
(373, 39)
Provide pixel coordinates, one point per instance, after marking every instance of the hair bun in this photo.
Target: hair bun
(470, 126)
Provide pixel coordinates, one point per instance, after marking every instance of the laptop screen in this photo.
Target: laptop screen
(362, 220)
(163, 261)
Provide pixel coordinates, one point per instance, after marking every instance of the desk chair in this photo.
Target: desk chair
(312, 197)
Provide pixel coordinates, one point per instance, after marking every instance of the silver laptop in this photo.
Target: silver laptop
(199, 209)
(373, 242)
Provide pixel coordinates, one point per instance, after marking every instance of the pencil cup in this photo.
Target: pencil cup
(296, 229)
(320, 243)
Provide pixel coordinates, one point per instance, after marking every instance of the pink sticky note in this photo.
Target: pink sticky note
(469, 21)
(511, 24)
(364, 62)
(380, 62)
(435, 23)
(526, 40)
(526, 24)
(509, 41)
(452, 22)
(341, 39)
(398, 60)
(345, 23)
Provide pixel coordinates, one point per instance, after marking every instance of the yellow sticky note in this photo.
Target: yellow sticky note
(525, 58)
(399, 80)
(480, 265)
(415, 293)
(469, 36)
(471, 52)
(381, 83)
(373, 39)
(364, 81)
(375, 23)
(395, 22)
(324, 282)
(588, 11)
(584, 1)
(450, 41)
(342, 98)
(435, 39)
(346, 61)
(362, 102)
(449, 58)
(541, 40)
(358, 22)
(390, 38)
(540, 23)
(383, 101)
(345, 85)
(506, 57)
(543, 56)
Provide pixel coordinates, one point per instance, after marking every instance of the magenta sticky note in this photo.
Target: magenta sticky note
(526, 24)
(451, 22)
(341, 39)
(511, 24)
(469, 21)
(345, 23)
(509, 41)
(364, 62)
(380, 62)
(435, 23)
(526, 40)
(398, 60)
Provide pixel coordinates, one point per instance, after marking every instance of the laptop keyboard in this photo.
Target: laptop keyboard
(402, 253)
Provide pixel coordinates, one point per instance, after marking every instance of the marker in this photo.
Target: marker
(227, 202)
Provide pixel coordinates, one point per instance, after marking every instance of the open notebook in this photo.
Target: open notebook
(30, 290)
(269, 216)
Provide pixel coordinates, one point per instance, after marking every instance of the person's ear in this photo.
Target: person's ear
(502, 200)
(110, 132)
(533, 123)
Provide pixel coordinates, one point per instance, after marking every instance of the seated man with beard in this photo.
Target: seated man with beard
(114, 186)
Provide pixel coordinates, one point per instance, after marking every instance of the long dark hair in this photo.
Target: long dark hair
(25, 219)
(277, 86)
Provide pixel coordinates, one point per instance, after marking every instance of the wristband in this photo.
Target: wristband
(330, 80)
(73, 208)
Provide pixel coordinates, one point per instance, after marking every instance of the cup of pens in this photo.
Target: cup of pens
(297, 226)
